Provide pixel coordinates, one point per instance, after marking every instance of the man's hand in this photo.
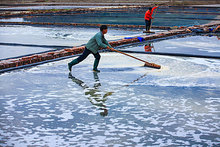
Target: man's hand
(109, 48)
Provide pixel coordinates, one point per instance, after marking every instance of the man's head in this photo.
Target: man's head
(104, 29)
(150, 8)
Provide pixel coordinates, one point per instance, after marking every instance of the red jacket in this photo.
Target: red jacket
(148, 14)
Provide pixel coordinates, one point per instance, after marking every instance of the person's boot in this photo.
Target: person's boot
(75, 61)
(95, 65)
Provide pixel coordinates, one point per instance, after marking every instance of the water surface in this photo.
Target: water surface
(207, 45)
(164, 16)
(124, 105)
(21, 40)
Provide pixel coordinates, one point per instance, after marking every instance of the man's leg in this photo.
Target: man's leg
(85, 53)
(96, 62)
(148, 23)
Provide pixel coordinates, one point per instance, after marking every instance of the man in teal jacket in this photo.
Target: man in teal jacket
(95, 43)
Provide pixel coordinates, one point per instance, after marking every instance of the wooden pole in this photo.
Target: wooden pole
(153, 65)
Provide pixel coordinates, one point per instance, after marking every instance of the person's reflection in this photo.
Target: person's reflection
(95, 96)
(148, 47)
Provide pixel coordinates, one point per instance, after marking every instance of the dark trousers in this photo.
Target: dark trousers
(85, 53)
(148, 24)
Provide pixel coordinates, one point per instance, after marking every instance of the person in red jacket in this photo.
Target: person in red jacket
(148, 17)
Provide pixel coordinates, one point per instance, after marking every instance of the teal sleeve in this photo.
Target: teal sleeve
(98, 39)
(106, 42)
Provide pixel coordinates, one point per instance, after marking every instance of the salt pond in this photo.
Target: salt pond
(164, 16)
(51, 36)
(206, 45)
(126, 104)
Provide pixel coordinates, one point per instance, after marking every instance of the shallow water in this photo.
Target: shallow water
(15, 51)
(192, 45)
(126, 18)
(66, 36)
(124, 105)
(164, 16)
(51, 36)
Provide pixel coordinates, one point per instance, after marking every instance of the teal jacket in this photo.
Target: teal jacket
(97, 42)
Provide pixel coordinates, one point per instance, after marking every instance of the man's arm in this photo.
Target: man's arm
(216, 29)
(106, 42)
(98, 39)
(154, 8)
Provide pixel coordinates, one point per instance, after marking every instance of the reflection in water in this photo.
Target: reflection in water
(95, 97)
(148, 47)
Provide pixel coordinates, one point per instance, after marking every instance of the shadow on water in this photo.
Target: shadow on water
(95, 97)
